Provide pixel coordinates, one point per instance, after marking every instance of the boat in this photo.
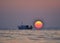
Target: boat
(25, 27)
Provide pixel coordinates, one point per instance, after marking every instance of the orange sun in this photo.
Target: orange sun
(38, 24)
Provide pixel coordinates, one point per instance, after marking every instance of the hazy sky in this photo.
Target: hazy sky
(13, 12)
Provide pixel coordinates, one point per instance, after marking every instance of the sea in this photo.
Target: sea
(29, 36)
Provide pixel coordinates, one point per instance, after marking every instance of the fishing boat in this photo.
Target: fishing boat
(25, 27)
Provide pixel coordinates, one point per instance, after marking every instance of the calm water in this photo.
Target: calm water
(29, 36)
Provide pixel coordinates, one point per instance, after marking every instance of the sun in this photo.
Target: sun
(38, 24)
